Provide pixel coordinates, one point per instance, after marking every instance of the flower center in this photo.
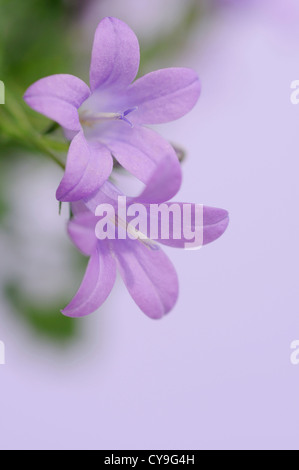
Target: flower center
(90, 119)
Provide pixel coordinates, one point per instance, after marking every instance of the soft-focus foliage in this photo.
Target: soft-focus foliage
(34, 41)
(43, 319)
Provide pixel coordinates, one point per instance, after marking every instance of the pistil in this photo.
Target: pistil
(89, 119)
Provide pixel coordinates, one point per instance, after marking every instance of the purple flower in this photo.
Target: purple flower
(107, 118)
(146, 271)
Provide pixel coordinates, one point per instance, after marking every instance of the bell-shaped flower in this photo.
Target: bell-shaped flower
(108, 119)
(146, 271)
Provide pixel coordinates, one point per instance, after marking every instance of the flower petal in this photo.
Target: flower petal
(58, 97)
(164, 182)
(163, 96)
(97, 284)
(141, 151)
(149, 277)
(115, 55)
(88, 167)
(81, 230)
(107, 194)
(215, 222)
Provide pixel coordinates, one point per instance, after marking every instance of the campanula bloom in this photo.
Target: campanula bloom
(108, 118)
(146, 271)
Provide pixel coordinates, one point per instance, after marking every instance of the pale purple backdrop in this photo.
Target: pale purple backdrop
(215, 373)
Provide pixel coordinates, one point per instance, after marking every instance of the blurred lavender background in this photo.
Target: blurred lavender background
(215, 373)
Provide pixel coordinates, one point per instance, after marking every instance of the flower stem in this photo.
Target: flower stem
(38, 142)
(15, 127)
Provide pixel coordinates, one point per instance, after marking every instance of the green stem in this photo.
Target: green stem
(15, 126)
(38, 142)
(52, 128)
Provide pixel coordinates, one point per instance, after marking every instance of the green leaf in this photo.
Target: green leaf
(46, 320)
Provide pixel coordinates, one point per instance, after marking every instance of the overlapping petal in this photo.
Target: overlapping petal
(164, 183)
(81, 230)
(107, 194)
(58, 97)
(141, 150)
(89, 165)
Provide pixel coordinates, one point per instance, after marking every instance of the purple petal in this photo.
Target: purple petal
(215, 222)
(88, 167)
(107, 194)
(79, 207)
(163, 96)
(59, 97)
(81, 230)
(162, 186)
(97, 284)
(115, 55)
(164, 182)
(149, 277)
(141, 151)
